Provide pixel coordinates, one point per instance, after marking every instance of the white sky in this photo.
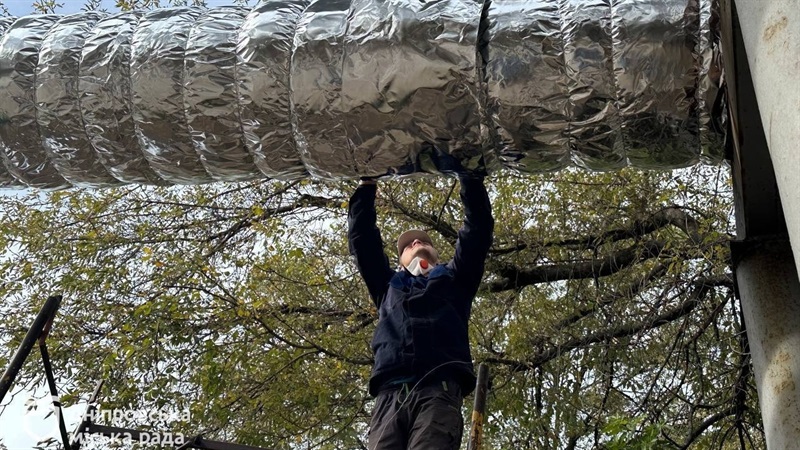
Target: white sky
(20, 430)
(23, 7)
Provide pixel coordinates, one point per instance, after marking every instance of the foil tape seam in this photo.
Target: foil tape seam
(290, 75)
(615, 77)
(238, 94)
(201, 11)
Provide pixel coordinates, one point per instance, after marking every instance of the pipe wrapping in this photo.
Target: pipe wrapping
(106, 99)
(64, 138)
(338, 89)
(23, 153)
(6, 179)
(210, 96)
(157, 79)
(264, 50)
(657, 105)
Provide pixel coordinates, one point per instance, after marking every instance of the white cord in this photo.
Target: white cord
(408, 395)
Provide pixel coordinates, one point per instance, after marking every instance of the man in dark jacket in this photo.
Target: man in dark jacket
(423, 366)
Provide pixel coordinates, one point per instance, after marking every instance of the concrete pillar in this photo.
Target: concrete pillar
(771, 34)
(770, 291)
(762, 43)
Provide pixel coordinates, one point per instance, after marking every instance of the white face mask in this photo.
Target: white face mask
(419, 266)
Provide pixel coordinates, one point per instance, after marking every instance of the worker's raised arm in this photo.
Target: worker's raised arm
(475, 236)
(365, 241)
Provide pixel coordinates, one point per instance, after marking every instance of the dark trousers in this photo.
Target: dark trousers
(428, 417)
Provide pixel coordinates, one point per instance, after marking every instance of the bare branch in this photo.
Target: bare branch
(552, 351)
(673, 215)
(627, 292)
(305, 201)
(710, 421)
(429, 220)
(515, 278)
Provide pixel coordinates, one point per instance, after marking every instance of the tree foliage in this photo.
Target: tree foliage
(606, 315)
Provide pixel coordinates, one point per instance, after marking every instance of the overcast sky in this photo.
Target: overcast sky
(23, 7)
(20, 430)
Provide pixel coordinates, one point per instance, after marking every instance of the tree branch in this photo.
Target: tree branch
(701, 288)
(429, 220)
(672, 215)
(515, 278)
(304, 201)
(731, 410)
(324, 312)
(626, 292)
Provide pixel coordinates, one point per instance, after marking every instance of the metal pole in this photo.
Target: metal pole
(479, 409)
(76, 440)
(51, 384)
(45, 315)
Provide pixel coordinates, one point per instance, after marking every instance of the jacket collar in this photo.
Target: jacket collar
(403, 279)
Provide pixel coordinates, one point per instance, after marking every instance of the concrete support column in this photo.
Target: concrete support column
(761, 39)
(768, 285)
(771, 33)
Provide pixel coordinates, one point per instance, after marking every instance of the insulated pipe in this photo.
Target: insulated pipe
(339, 89)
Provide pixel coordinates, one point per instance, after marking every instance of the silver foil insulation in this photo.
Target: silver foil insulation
(339, 89)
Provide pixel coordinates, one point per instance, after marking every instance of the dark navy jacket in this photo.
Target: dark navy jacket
(423, 321)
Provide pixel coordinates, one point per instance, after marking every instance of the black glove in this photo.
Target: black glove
(465, 168)
(432, 159)
(478, 173)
